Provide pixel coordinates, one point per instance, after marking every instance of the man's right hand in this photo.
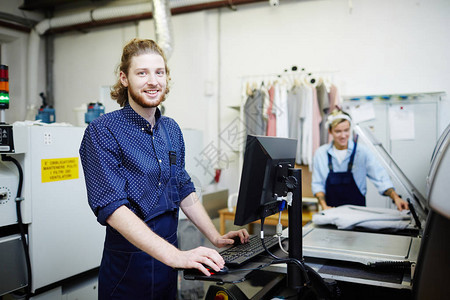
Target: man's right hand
(198, 258)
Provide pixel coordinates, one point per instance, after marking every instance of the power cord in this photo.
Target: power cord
(279, 233)
(328, 290)
(284, 260)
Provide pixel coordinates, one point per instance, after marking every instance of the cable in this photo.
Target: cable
(281, 245)
(280, 232)
(284, 260)
(328, 290)
(20, 222)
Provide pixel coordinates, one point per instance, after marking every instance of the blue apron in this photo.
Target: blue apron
(126, 272)
(341, 188)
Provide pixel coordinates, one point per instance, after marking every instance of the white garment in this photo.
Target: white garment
(266, 104)
(307, 138)
(351, 216)
(280, 102)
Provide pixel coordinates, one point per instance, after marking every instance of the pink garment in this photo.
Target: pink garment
(335, 100)
(317, 118)
(334, 97)
(271, 117)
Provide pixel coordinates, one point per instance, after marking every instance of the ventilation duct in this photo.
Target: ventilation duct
(95, 15)
(116, 14)
(163, 26)
(160, 10)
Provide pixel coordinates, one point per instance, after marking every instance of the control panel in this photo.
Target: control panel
(6, 139)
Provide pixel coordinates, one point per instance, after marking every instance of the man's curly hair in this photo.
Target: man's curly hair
(135, 47)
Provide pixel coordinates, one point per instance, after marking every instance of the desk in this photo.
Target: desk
(225, 215)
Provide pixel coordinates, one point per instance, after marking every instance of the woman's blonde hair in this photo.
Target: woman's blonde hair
(135, 47)
(336, 117)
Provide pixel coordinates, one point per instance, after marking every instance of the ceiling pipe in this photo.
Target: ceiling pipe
(105, 16)
(94, 16)
(163, 26)
(99, 19)
(15, 22)
(15, 27)
(97, 15)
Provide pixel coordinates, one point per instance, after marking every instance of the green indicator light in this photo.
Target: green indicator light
(4, 97)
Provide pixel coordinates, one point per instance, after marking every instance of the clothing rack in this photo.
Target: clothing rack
(266, 110)
(294, 71)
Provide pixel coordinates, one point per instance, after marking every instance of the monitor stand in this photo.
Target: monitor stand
(295, 279)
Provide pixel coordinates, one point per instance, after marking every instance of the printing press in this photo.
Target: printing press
(407, 262)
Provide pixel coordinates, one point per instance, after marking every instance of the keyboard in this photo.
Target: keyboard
(239, 254)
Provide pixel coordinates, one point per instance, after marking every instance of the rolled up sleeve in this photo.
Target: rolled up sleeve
(100, 158)
(320, 171)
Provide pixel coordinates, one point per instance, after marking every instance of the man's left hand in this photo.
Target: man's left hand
(227, 239)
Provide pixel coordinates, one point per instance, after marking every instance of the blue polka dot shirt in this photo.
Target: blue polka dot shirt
(125, 162)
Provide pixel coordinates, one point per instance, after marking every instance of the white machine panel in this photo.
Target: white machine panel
(64, 236)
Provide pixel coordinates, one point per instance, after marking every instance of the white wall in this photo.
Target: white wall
(14, 54)
(376, 47)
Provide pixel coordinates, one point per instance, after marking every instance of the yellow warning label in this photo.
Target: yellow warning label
(57, 169)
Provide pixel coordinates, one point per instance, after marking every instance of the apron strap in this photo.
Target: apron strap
(172, 153)
(352, 157)
(330, 164)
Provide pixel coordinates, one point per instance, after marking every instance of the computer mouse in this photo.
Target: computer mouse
(223, 271)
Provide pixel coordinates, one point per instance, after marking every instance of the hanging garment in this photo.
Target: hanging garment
(281, 105)
(266, 104)
(294, 101)
(324, 106)
(271, 116)
(335, 101)
(317, 118)
(340, 187)
(253, 114)
(307, 130)
(126, 272)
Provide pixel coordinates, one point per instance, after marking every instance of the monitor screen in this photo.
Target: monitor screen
(265, 168)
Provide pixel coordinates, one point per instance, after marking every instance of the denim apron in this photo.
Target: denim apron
(128, 273)
(341, 188)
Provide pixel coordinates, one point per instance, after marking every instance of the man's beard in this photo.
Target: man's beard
(140, 99)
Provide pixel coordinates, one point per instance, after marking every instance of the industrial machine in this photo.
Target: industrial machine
(48, 234)
(365, 264)
(62, 235)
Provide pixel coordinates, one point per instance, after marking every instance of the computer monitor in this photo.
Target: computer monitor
(263, 179)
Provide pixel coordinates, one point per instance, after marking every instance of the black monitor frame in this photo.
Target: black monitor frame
(268, 172)
(264, 175)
